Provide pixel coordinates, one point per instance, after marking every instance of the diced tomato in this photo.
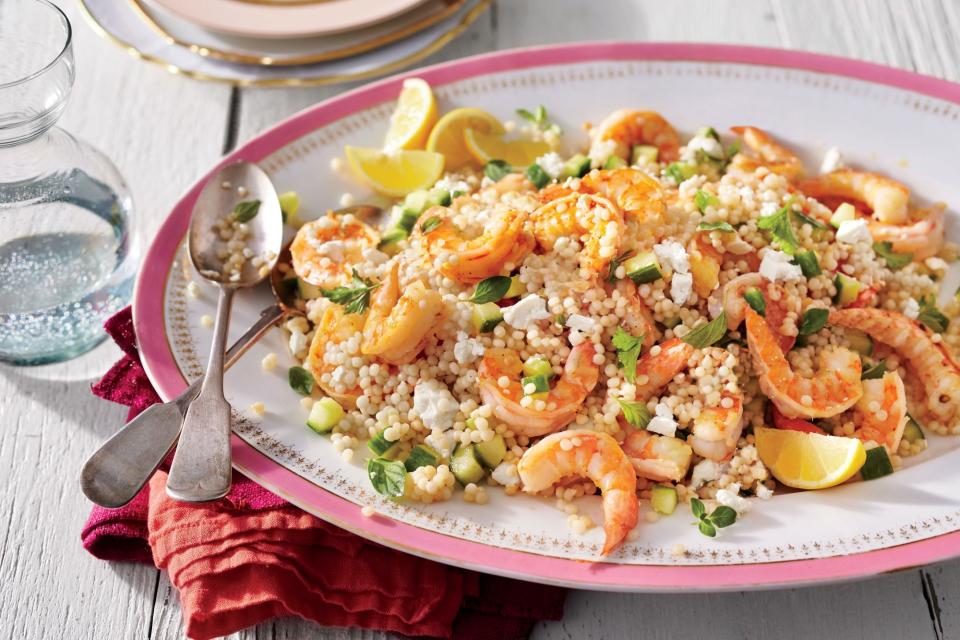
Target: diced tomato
(781, 421)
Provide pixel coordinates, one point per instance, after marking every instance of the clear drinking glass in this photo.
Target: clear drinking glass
(67, 257)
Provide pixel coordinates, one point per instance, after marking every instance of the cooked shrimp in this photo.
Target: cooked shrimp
(735, 306)
(881, 414)
(656, 370)
(929, 362)
(922, 235)
(593, 455)
(886, 197)
(627, 127)
(636, 193)
(469, 261)
(593, 220)
(717, 429)
(638, 319)
(768, 153)
(398, 326)
(705, 263)
(656, 457)
(335, 328)
(832, 390)
(580, 376)
(324, 249)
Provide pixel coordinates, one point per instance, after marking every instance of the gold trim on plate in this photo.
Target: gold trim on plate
(432, 47)
(350, 50)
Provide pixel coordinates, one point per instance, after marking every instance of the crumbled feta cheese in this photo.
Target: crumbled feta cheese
(298, 342)
(466, 349)
(854, 231)
(434, 404)
(551, 163)
(704, 472)
(600, 152)
(672, 254)
(581, 323)
(936, 264)
(911, 309)
(768, 209)
(730, 497)
(506, 474)
(832, 160)
(663, 422)
(442, 441)
(448, 184)
(681, 286)
(526, 312)
(332, 249)
(708, 145)
(763, 492)
(776, 265)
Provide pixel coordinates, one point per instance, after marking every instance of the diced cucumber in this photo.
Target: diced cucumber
(755, 299)
(809, 263)
(486, 316)
(540, 382)
(491, 452)
(308, 291)
(681, 171)
(860, 342)
(663, 499)
(644, 154)
(614, 162)
(575, 167)
(844, 213)
(516, 289)
(289, 206)
(408, 218)
(465, 466)
(383, 447)
(324, 415)
(847, 289)
(439, 198)
(912, 432)
(876, 465)
(416, 202)
(538, 366)
(390, 239)
(421, 456)
(643, 267)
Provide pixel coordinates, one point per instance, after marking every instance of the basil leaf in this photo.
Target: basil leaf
(755, 299)
(894, 260)
(809, 263)
(814, 319)
(628, 351)
(247, 210)
(705, 199)
(300, 380)
(707, 529)
(813, 222)
(537, 176)
(931, 316)
(708, 334)
(490, 290)
(696, 506)
(388, 477)
(781, 229)
(723, 516)
(725, 227)
(496, 169)
(430, 224)
(875, 372)
(635, 413)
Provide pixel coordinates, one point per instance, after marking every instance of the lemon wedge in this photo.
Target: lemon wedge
(447, 136)
(414, 117)
(491, 146)
(809, 460)
(395, 173)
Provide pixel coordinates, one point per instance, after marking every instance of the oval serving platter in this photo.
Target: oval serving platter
(810, 101)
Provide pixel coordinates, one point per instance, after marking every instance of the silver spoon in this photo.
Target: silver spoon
(201, 466)
(116, 472)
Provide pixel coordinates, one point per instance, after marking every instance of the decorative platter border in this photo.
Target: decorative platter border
(163, 311)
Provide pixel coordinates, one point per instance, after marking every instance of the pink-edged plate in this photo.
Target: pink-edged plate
(883, 119)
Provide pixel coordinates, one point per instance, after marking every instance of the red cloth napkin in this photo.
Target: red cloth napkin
(251, 556)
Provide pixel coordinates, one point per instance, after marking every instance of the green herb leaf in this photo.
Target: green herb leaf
(733, 149)
(537, 176)
(931, 316)
(430, 224)
(707, 529)
(894, 260)
(628, 351)
(809, 263)
(490, 290)
(708, 334)
(723, 516)
(781, 229)
(636, 413)
(355, 299)
(561, 320)
(754, 298)
(496, 169)
(697, 508)
(814, 319)
(725, 227)
(813, 222)
(615, 264)
(247, 210)
(706, 199)
(526, 115)
(388, 477)
(680, 171)
(300, 380)
(875, 372)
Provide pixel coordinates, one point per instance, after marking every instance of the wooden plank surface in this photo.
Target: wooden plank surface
(133, 111)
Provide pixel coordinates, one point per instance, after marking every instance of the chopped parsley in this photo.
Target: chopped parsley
(628, 352)
(636, 413)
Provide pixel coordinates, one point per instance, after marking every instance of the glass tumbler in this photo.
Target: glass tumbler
(67, 257)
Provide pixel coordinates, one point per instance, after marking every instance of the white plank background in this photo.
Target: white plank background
(163, 131)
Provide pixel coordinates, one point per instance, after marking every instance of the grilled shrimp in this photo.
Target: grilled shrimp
(636, 193)
(399, 325)
(592, 455)
(717, 429)
(627, 127)
(921, 235)
(324, 249)
(767, 153)
(656, 457)
(593, 220)
(638, 319)
(580, 376)
(736, 307)
(656, 370)
(886, 197)
(881, 414)
(832, 390)
(929, 362)
(335, 328)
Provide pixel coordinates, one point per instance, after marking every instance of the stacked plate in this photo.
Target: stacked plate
(282, 42)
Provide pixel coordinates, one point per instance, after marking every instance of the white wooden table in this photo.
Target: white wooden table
(163, 131)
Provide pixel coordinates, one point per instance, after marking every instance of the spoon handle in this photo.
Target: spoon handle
(201, 468)
(116, 472)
